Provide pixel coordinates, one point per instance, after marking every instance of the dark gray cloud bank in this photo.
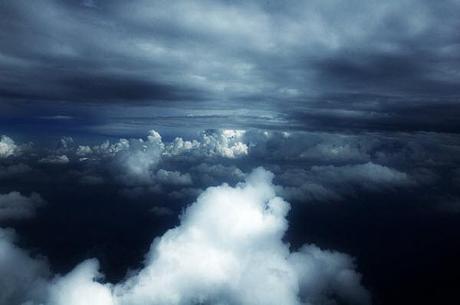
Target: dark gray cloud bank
(229, 152)
(344, 65)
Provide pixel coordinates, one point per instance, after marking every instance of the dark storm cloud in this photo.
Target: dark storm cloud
(241, 53)
(356, 113)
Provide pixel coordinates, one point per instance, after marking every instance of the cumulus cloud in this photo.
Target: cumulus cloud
(226, 143)
(316, 166)
(228, 249)
(14, 205)
(80, 287)
(219, 146)
(55, 159)
(138, 158)
(136, 161)
(83, 150)
(327, 165)
(7, 147)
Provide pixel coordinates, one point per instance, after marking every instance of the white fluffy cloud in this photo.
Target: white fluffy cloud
(55, 159)
(7, 147)
(136, 160)
(228, 249)
(138, 157)
(79, 287)
(16, 206)
(225, 143)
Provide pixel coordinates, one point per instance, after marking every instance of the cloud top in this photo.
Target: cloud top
(7, 147)
(228, 249)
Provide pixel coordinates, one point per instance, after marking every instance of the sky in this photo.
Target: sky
(229, 152)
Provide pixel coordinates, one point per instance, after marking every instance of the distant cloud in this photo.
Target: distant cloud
(366, 175)
(57, 117)
(310, 165)
(135, 161)
(7, 147)
(173, 177)
(13, 170)
(225, 143)
(332, 182)
(58, 159)
(14, 205)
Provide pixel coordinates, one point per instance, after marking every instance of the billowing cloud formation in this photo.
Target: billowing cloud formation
(23, 278)
(135, 161)
(228, 249)
(14, 205)
(225, 143)
(238, 231)
(316, 148)
(7, 147)
(137, 158)
(309, 165)
(80, 287)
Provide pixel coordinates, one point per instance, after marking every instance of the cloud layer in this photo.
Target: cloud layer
(110, 197)
(7, 147)
(14, 205)
(318, 64)
(314, 166)
(228, 249)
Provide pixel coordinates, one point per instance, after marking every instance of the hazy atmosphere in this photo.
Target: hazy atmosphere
(229, 152)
